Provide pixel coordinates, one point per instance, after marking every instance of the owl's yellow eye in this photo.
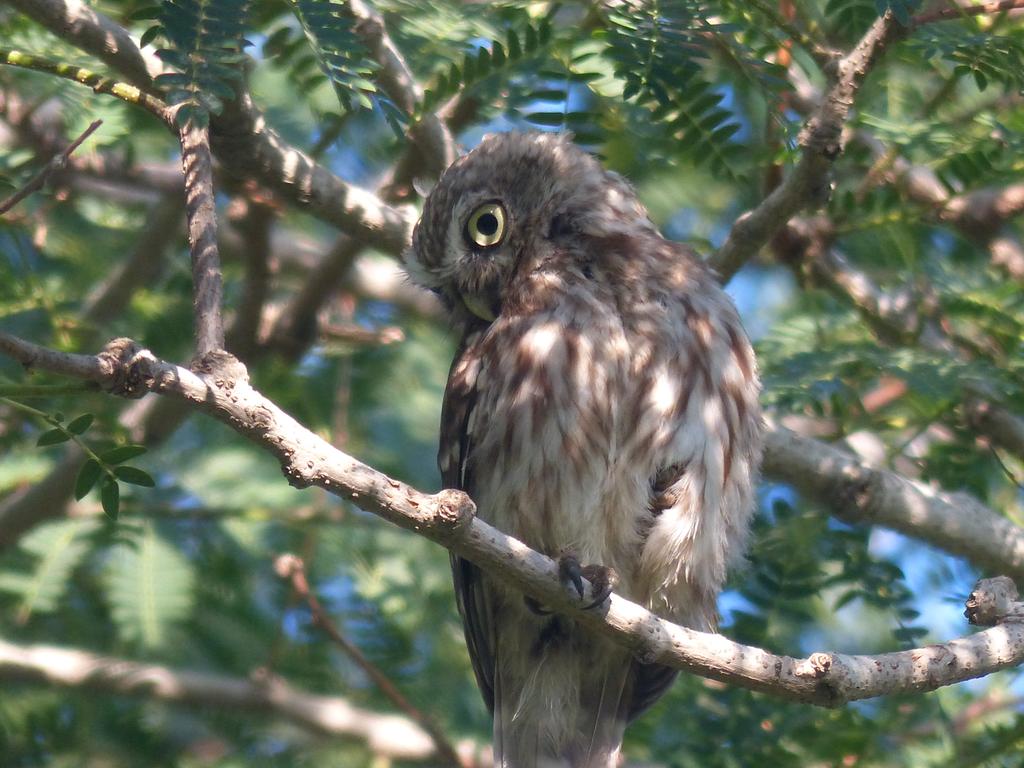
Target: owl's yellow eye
(486, 227)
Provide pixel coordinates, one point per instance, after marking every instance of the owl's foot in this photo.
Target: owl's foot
(602, 578)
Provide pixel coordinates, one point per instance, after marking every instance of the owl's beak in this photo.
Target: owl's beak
(481, 305)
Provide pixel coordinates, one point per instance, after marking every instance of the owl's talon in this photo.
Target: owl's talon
(570, 571)
(603, 579)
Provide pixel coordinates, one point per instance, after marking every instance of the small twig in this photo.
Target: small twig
(821, 144)
(99, 83)
(785, 19)
(350, 333)
(201, 209)
(58, 162)
(961, 11)
(292, 568)
(25, 391)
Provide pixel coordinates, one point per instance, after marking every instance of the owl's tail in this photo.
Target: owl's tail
(567, 706)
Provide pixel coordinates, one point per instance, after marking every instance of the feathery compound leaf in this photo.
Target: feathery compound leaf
(985, 57)
(149, 586)
(659, 51)
(205, 41)
(492, 61)
(58, 547)
(340, 55)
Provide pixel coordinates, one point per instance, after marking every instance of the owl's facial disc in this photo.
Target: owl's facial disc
(484, 232)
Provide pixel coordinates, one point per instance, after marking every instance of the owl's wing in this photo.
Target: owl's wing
(453, 456)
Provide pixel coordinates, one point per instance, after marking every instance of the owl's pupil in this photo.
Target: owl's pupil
(487, 224)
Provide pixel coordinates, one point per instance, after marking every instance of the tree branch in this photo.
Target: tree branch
(38, 181)
(293, 569)
(221, 389)
(100, 84)
(428, 134)
(963, 11)
(821, 144)
(92, 32)
(247, 147)
(856, 493)
(388, 735)
(201, 210)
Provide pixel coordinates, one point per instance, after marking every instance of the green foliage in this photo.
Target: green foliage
(204, 46)
(982, 55)
(56, 550)
(150, 585)
(98, 467)
(683, 98)
(329, 44)
(660, 51)
(493, 59)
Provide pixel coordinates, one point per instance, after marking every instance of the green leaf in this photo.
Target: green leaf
(122, 453)
(86, 479)
(134, 476)
(110, 497)
(79, 425)
(52, 437)
(149, 586)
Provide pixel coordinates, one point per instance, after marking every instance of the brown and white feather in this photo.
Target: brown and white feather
(610, 409)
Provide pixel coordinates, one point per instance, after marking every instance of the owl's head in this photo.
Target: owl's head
(507, 204)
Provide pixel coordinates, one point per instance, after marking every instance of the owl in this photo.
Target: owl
(602, 407)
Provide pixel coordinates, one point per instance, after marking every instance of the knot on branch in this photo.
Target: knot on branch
(129, 367)
(224, 369)
(454, 510)
(815, 666)
(823, 135)
(993, 601)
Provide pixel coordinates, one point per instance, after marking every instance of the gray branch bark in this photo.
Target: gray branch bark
(388, 735)
(222, 390)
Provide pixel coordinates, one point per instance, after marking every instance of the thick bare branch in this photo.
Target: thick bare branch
(222, 390)
(384, 734)
(201, 210)
(821, 143)
(248, 148)
(956, 522)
